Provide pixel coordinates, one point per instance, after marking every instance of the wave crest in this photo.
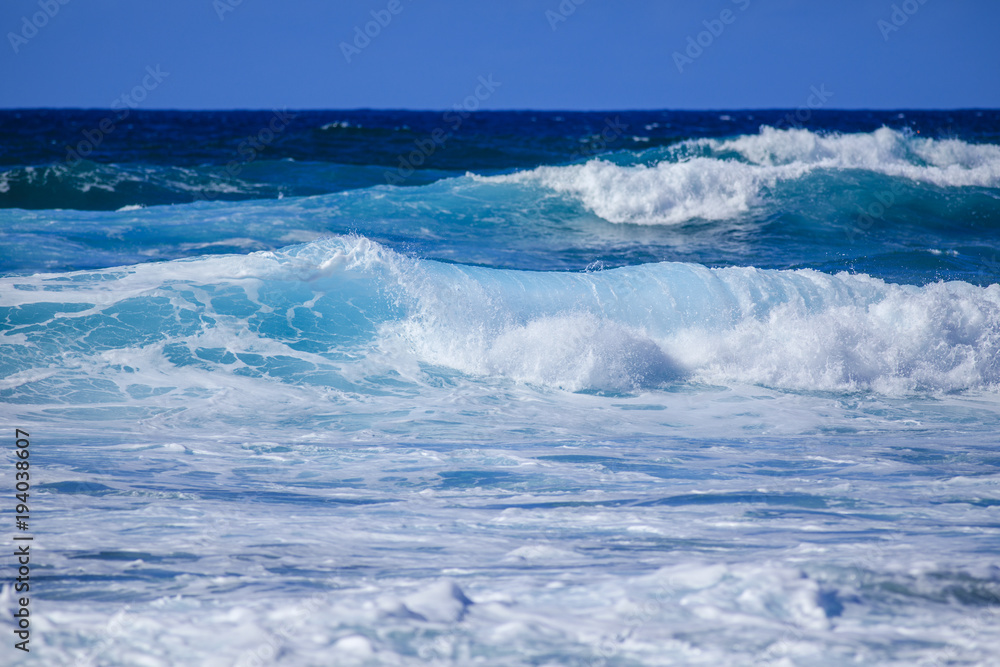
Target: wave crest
(717, 179)
(315, 313)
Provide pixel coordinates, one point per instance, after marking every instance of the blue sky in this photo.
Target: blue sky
(543, 54)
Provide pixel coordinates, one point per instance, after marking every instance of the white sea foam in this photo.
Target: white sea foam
(339, 125)
(716, 179)
(694, 612)
(943, 162)
(668, 193)
(647, 326)
(575, 351)
(942, 337)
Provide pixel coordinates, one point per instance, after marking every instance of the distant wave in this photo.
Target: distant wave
(717, 179)
(693, 180)
(943, 162)
(96, 186)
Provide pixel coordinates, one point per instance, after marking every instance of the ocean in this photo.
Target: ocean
(502, 388)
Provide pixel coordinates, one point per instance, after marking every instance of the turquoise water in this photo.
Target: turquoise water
(705, 390)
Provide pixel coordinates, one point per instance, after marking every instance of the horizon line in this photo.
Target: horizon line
(511, 110)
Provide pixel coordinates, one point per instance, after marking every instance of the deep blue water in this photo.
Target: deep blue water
(387, 387)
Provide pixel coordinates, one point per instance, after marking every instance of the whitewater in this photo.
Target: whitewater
(715, 393)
